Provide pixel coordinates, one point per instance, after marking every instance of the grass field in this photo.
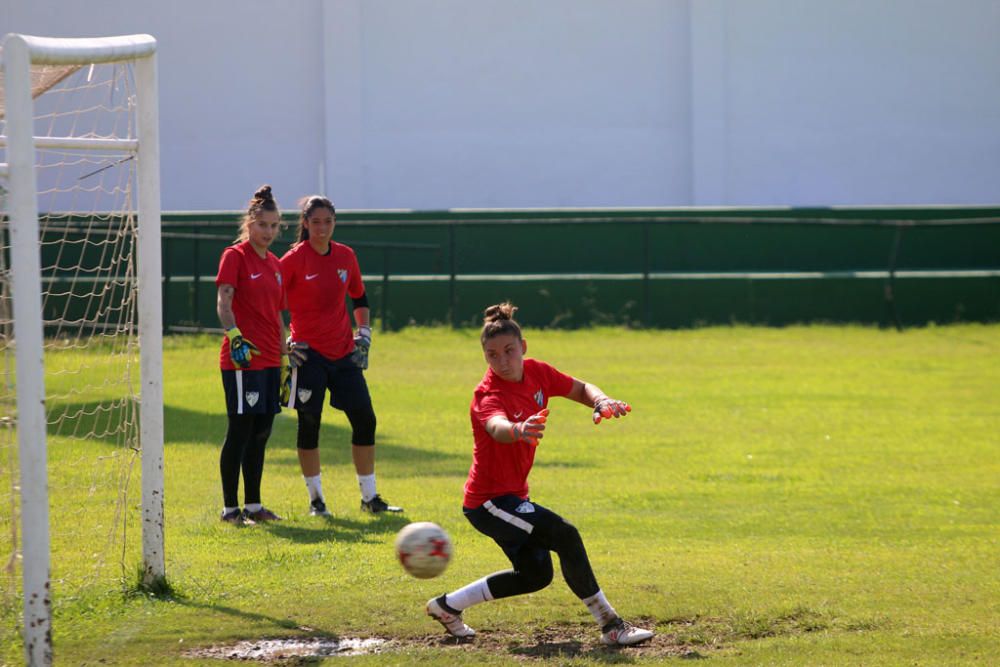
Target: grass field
(800, 496)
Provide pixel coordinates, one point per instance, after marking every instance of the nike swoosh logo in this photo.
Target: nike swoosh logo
(255, 276)
(310, 276)
(517, 415)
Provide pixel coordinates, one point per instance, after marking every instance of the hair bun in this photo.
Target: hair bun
(264, 193)
(500, 311)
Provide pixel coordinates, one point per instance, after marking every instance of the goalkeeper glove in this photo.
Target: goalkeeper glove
(531, 429)
(285, 391)
(606, 408)
(241, 350)
(296, 352)
(362, 343)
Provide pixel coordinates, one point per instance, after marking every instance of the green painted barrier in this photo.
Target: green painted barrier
(892, 266)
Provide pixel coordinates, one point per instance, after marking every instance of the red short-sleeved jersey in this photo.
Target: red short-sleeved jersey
(317, 286)
(501, 468)
(257, 302)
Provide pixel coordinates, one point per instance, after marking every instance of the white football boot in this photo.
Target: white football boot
(453, 623)
(622, 633)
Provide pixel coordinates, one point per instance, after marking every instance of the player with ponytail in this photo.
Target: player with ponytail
(320, 274)
(509, 412)
(249, 304)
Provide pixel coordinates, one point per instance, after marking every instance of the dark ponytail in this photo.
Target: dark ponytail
(307, 205)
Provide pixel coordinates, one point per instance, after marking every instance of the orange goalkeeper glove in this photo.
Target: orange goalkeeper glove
(606, 408)
(531, 429)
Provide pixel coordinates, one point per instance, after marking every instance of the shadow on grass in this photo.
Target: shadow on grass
(337, 529)
(283, 623)
(572, 649)
(183, 425)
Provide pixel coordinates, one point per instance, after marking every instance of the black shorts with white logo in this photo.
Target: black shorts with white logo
(346, 382)
(252, 392)
(513, 522)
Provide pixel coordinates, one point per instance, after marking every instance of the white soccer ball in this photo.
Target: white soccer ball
(423, 549)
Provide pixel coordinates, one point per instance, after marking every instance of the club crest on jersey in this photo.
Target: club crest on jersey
(343, 275)
(525, 508)
(540, 399)
(304, 395)
(252, 397)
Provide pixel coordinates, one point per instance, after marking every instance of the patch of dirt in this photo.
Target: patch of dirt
(559, 641)
(282, 650)
(571, 641)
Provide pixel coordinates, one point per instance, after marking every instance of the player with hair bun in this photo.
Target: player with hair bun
(249, 304)
(327, 355)
(509, 411)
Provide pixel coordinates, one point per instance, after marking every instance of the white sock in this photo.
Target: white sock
(367, 484)
(468, 595)
(314, 486)
(253, 507)
(227, 510)
(600, 608)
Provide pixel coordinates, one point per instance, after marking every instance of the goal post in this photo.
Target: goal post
(120, 285)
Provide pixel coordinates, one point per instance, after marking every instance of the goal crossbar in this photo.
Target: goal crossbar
(84, 50)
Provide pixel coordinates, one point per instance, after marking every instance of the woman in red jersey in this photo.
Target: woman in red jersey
(319, 275)
(249, 305)
(509, 410)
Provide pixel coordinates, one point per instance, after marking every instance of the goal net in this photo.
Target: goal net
(79, 326)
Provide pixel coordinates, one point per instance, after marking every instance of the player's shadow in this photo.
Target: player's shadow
(338, 529)
(183, 425)
(114, 425)
(571, 650)
(283, 623)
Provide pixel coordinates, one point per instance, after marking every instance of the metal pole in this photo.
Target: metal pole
(646, 300)
(384, 306)
(452, 272)
(29, 336)
(150, 321)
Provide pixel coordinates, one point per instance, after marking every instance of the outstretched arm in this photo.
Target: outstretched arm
(592, 396)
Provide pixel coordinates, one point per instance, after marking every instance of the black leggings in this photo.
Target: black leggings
(246, 440)
(530, 553)
(362, 428)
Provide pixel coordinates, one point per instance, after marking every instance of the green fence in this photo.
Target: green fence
(640, 267)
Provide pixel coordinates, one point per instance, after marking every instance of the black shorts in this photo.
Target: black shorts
(252, 392)
(512, 522)
(346, 382)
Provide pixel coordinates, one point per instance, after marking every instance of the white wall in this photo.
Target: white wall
(241, 99)
(854, 101)
(513, 103)
(523, 103)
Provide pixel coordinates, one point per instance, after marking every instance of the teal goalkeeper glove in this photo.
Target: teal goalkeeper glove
(241, 350)
(362, 343)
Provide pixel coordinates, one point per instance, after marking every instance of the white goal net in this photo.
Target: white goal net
(93, 198)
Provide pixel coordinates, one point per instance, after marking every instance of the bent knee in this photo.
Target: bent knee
(308, 432)
(362, 427)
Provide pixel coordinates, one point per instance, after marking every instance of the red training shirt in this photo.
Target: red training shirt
(317, 286)
(501, 468)
(256, 302)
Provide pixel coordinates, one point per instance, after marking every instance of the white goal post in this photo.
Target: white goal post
(21, 54)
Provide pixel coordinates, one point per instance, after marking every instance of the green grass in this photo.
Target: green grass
(806, 495)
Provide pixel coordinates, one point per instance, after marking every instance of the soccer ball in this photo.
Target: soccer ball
(424, 549)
